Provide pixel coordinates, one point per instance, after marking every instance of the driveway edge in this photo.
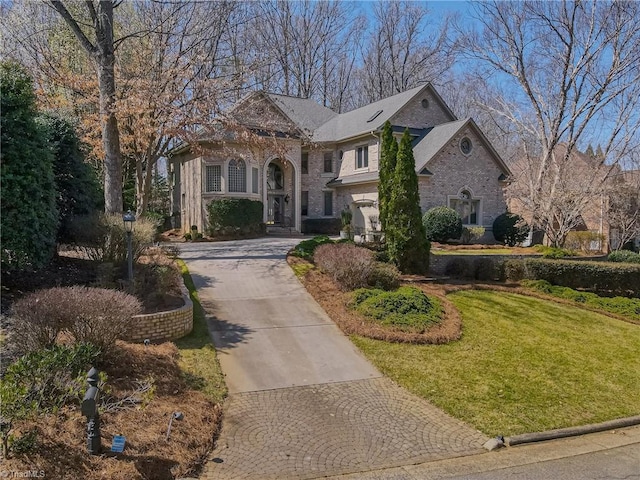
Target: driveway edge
(572, 431)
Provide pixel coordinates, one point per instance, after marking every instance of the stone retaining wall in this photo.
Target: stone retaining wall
(164, 326)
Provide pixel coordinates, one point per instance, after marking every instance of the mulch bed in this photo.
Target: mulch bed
(61, 437)
(334, 302)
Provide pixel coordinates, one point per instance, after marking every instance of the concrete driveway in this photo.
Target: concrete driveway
(303, 403)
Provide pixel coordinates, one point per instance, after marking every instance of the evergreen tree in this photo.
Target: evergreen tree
(78, 190)
(407, 242)
(29, 214)
(589, 151)
(386, 168)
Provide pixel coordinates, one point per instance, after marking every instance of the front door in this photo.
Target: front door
(275, 213)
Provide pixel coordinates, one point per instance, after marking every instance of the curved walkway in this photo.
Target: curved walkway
(303, 403)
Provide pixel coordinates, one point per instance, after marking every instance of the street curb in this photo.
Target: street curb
(572, 431)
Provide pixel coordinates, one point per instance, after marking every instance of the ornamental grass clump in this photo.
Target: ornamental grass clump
(349, 266)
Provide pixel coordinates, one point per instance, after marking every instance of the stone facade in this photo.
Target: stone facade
(327, 191)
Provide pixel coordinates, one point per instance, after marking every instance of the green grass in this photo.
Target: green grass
(522, 365)
(627, 307)
(198, 358)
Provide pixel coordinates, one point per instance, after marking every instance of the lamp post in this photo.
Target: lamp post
(128, 219)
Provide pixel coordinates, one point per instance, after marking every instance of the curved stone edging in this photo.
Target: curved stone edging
(572, 431)
(164, 326)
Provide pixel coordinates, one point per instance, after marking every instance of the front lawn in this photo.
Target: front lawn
(523, 365)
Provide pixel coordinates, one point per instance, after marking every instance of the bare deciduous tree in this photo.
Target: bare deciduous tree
(405, 49)
(571, 75)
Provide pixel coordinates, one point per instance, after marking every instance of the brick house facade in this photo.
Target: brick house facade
(303, 160)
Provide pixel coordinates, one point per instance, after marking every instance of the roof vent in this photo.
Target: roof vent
(374, 116)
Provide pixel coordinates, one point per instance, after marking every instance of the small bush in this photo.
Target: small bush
(624, 256)
(42, 381)
(93, 315)
(554, 252)
(621, 279)
(234, 216)
(324, 226)
(510, 229)
(306, 248)
(348, 265)
(384, 276)
(103, 237)
(587, 242)
(407, 309)
(471, 235)
(485, 268)
(459, 268)
(442, 224)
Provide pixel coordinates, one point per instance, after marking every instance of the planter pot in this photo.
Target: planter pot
(344, 234)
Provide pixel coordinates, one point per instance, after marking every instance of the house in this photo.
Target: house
(591, 196)
(304, 161)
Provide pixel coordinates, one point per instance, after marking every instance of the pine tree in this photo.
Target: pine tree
(386, 167)
(589, 151)
(407, 242)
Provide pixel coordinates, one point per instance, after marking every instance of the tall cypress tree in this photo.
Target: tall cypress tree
(407, 242)
(386, 168)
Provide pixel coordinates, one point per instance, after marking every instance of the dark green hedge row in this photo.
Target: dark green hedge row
(622, 279)
(326, 226)
(235, 215)
(480, 268)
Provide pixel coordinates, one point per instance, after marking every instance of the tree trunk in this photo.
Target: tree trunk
(110, 136)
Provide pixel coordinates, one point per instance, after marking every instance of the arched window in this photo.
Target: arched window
(467, 206)
(237, 177)
(275, 180)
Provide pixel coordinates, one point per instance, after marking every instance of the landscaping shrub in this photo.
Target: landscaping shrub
(624, 256)
(237, 216)
(103, 237)
(348, 265)
(306, 248)
(621, 279)
(43, 381)
(471, 235)
(510, 229)
(554, 252)
(29, 220)
(384, 276)
(459, 268)
(407, 308)
(326, 226)
(442, 224)
(93, 315)
(587, 242)
(485, 268)
(628, 307)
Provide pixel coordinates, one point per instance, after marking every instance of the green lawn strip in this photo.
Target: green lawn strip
(627, 307)
(198, 357)
(523, 365)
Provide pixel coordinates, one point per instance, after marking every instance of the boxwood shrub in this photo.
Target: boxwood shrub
(624, 256)
(235, 216)
(610, 278)
(442, 224)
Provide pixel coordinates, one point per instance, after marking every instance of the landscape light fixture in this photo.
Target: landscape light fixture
(128, 219)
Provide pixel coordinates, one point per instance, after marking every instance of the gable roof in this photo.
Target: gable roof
(436, 138)
(304, 112)
(372, 117)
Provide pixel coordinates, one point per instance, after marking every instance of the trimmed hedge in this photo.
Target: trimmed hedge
(306, 248)
(232, 216)
(326, 226)
(478, 268)
(510, 229)
(622, 279)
